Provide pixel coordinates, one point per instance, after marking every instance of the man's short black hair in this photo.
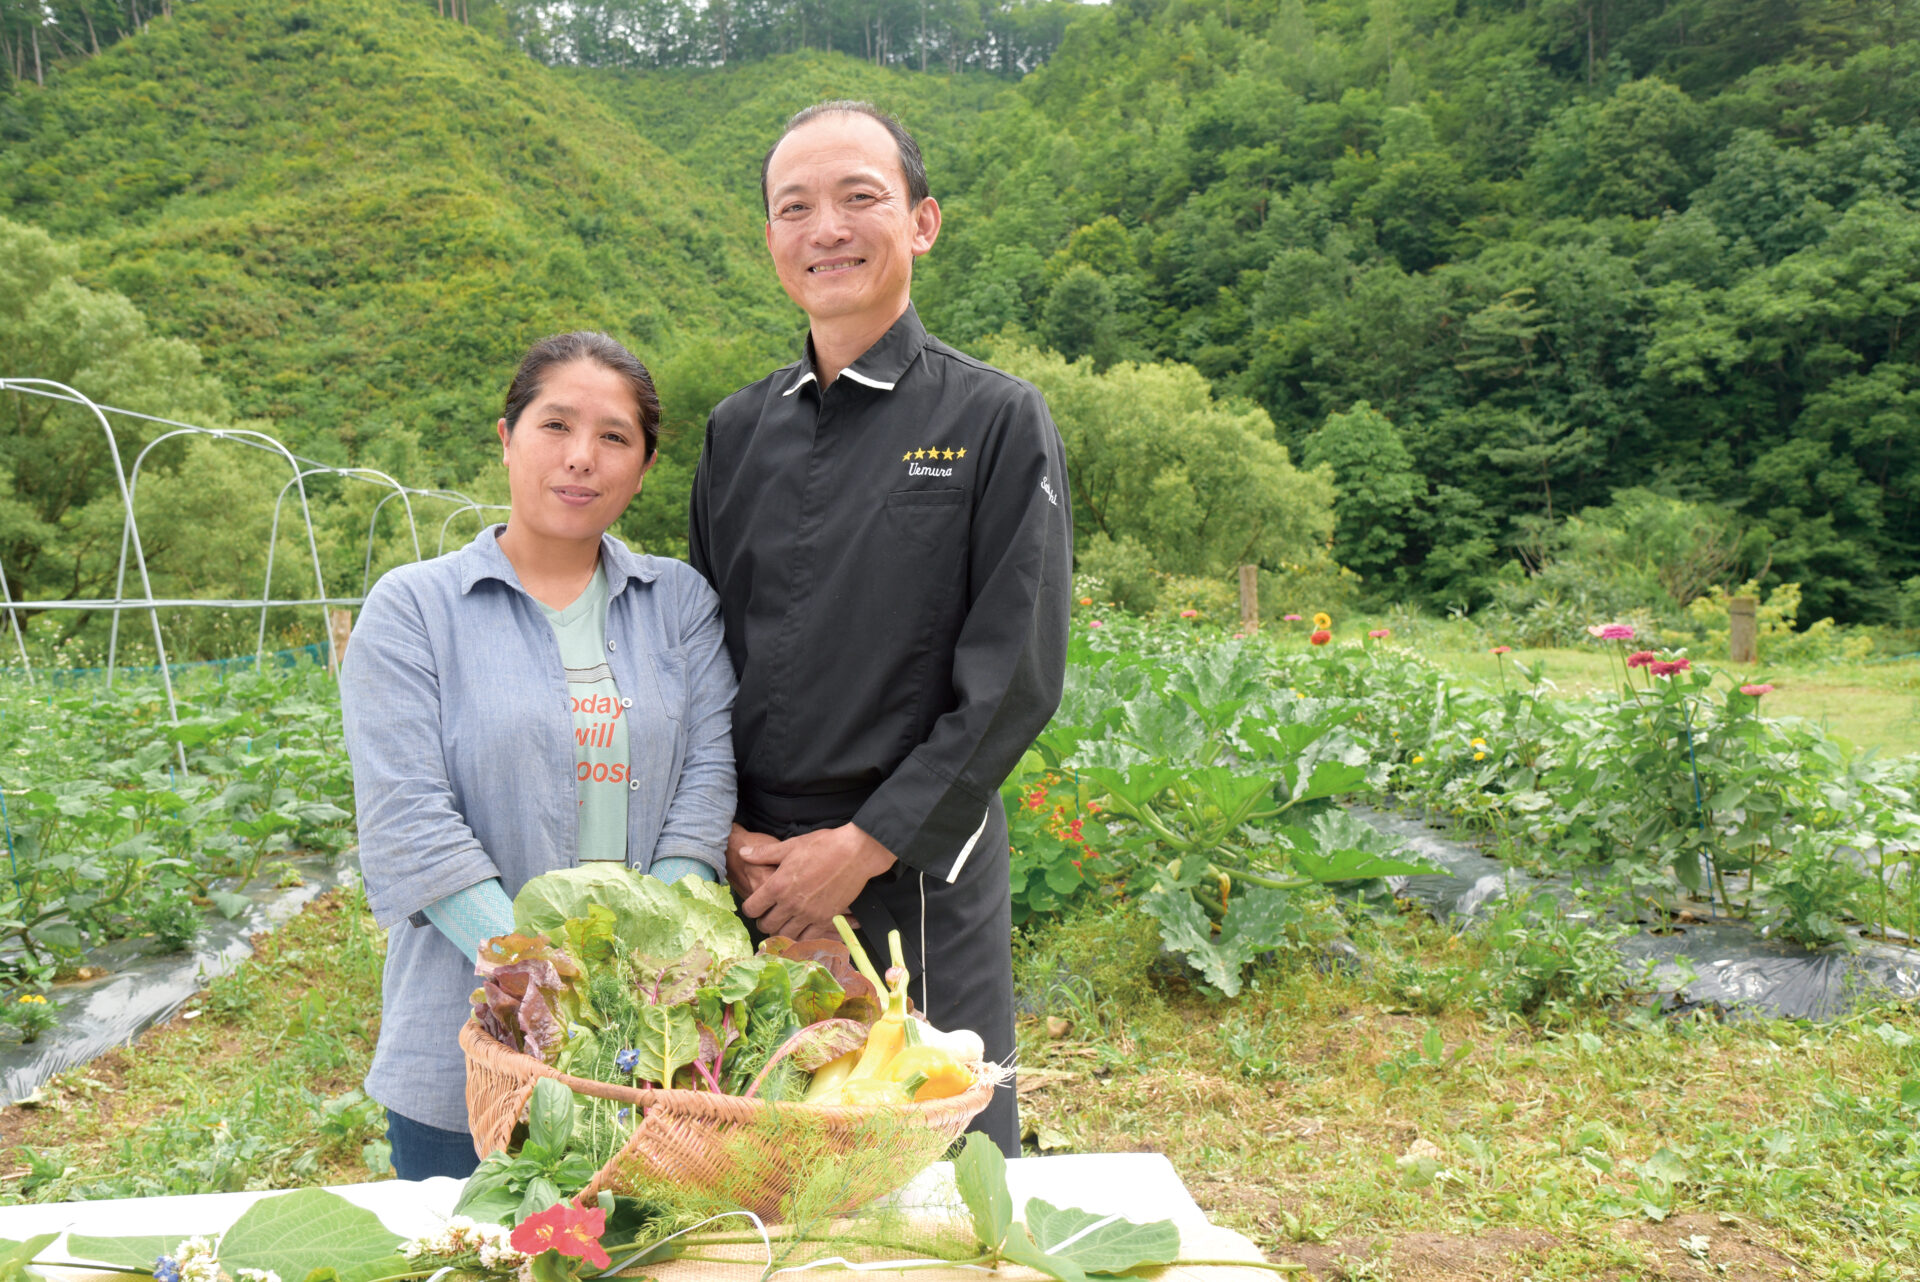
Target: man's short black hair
(911, 163)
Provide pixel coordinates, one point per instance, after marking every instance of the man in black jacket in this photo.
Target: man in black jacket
(886, 523)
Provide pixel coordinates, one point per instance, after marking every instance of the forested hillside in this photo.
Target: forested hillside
(361, 214)
(1650, 264)
(1493, 262)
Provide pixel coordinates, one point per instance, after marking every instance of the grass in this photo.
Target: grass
(1373, 1124)
(1872, 706)
(255, 1084)
(1338, 1126)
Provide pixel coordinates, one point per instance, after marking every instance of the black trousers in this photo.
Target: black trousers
(958, 940)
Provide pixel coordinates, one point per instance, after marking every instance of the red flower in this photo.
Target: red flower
(1074, 829)
(567, 1229)
(1037, 799)
(1756, 691)
(1086, 600)
(1503, 649)
(1189, 614)
(1321, 637)
(1639, 658)
(1667, 667)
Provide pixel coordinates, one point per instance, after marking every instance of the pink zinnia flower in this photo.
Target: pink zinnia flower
(1189, 614)
(1757, 690)
(1503, 649)
(1639, 658)
(1095, 623)
(1611, 631)
(1381, 634)
(1290, 618)
(1667, 667)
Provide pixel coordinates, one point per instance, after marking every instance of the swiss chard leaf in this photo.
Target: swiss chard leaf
(667, 1039)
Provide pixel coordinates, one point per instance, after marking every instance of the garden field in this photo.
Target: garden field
(1362, 1089)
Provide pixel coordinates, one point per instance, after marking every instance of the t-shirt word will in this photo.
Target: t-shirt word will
(599, 721)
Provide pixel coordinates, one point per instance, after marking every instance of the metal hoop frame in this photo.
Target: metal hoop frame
(128, 483)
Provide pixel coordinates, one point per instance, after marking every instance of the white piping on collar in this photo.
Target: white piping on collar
(862, 379)
(800, 382)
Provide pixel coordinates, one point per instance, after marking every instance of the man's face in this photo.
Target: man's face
(839, 227)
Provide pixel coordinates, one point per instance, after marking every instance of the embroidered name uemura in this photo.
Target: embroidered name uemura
(915, 469)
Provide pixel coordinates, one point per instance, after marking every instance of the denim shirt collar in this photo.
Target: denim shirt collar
(483, 559)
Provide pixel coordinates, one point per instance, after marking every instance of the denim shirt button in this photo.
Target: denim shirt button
(633, 785)
(610, 645)
(626, 703)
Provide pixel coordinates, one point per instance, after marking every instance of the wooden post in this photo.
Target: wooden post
(1743, 629)
(1249, 598)
(340, 627)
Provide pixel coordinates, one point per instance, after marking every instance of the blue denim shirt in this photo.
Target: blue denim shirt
(461, 736)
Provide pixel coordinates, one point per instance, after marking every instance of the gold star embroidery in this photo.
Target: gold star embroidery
(919, 453)
(949, 454)
(962, 454)
(907, 457)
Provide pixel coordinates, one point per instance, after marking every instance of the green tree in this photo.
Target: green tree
(1377, 493)
(1154, 458)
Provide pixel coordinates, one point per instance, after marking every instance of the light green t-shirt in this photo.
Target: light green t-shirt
(599, 721)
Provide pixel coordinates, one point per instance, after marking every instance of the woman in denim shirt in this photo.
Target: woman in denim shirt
(541, 697)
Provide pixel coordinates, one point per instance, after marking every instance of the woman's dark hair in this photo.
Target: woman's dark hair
(584, 345)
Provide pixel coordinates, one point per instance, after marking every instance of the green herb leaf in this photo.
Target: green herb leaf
(550, 1117)
(541, 1193)
(128, 1252)
(16, 1256)
(980, 1174)
(1020, 1249)
(295, 1233)
(1116, 1246)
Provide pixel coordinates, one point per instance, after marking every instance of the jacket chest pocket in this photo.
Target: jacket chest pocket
(924, 522)
(920, 568)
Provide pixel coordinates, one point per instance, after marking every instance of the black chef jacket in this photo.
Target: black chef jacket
(893, 556)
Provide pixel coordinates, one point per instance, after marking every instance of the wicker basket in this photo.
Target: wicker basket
(699, 1140)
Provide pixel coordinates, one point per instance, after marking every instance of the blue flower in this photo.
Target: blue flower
(624, 1114)
(626, 1061)
(166, 1269)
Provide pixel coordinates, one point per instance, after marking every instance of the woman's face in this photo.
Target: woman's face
(576, 457)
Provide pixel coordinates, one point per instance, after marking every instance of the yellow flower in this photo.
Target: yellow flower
(1479, 756)
(1323, 620)
(34, 998)
(1479, 743)
(1417, 758)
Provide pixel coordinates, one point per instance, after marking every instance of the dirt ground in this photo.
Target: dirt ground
(1684, 1246)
